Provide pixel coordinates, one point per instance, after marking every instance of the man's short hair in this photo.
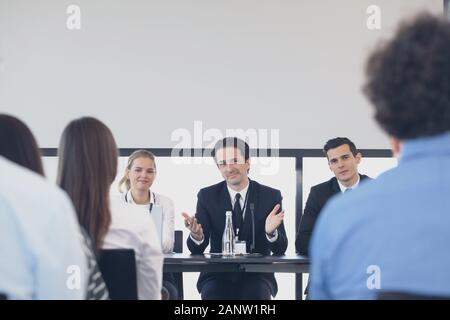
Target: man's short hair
(232, 142)
(337, 142)
(408, 79)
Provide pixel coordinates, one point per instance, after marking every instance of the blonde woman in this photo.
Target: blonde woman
(135, 188)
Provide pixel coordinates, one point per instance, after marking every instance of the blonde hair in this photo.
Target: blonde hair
(124, 183)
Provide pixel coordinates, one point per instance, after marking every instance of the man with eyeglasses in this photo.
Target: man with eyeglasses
(257, 219)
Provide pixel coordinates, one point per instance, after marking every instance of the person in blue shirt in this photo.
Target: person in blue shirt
(42, 255)
(390, 237)
(18, 144)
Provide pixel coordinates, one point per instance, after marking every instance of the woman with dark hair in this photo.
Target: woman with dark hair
(18, 144)
(87, 167)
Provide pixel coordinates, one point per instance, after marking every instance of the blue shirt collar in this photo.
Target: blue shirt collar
(426, 146)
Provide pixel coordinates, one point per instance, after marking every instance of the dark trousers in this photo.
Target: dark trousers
(169, 285)
(242, 287)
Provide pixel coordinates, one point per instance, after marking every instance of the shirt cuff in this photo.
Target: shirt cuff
(273, 238)
(196, 241)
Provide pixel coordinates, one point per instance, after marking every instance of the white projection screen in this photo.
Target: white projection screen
(150, 67)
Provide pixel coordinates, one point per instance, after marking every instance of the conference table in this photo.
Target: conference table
(181, 262)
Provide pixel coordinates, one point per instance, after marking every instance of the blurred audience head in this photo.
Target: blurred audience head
(408, 79)
(87, 167)
(18, 144)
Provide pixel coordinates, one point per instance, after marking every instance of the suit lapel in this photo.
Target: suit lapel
(335, 186)
(224, 204)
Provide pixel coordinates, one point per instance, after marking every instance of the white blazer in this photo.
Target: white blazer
(131, 228)
(168, 216)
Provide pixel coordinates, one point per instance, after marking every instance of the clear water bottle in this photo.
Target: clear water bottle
(228, 236)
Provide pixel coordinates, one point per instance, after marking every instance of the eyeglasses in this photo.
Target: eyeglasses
(234, 161)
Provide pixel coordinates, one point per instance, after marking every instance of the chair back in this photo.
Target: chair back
(178, 276)
(118, 267)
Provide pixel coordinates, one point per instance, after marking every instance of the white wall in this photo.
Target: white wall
(147, 68)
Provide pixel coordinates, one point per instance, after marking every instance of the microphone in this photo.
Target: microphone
(252, 210)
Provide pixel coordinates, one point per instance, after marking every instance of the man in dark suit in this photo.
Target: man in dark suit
(254, 206)
(343, 160)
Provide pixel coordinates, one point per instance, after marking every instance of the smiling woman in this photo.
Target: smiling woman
(135, 186)
(140, 173)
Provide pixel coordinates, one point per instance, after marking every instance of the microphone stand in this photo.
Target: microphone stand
(252, 210)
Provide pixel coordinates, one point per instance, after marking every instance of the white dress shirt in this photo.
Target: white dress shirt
(131, 228)
(40, 242)
(243, 194)
(242, 201)
(344, 188)
(168, 216)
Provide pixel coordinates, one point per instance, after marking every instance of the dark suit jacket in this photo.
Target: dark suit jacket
(212, 204)
(318, 197)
